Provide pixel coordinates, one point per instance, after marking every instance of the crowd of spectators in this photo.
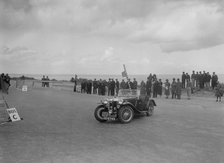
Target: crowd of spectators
(200, 80)
(104, 87)
(4, 83)
(111, 87)
(152, 87)
(45, 81)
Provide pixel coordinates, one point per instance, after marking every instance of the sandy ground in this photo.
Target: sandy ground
(59, 126)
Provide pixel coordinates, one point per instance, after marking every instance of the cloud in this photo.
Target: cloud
(174, 25)
(108, 55)
(16, 51)
(187, 28)
(17, 54)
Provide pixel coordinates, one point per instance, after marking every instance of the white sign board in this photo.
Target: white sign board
(24, 88)
(13, 114)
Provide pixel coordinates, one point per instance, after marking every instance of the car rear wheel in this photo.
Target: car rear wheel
(100, 113)
(150, 109)
(125, 114)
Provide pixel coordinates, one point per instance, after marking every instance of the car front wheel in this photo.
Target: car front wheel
(100, 113)
(125, 114)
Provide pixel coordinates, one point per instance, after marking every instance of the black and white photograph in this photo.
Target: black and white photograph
(111, 81)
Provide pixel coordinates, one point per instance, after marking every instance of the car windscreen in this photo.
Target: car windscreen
(128, 93)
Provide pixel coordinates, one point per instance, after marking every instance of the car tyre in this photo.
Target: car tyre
(150, 109)
(125, 114)
(98, 113)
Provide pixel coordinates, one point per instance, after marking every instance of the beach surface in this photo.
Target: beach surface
(59, 126)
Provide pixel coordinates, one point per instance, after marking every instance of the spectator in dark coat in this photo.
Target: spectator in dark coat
(99, 87)
(75, 85)
(109, 87)
(160, 87)
(1, 82)
(7, 79)
(95, 86)
(4, 83)
(155, 88)
(214, 80)
(112, 87)
(218, 92)
(201, 82)
(104, 84)
(47, 83)
(183, 79)
(89, 87)
(143, 88)
(174, 88)
(123, 84)
(128, 84)
(148, 86)
(43, 79)
(178, 90)
(117, 86)
(135, 84)
(188, 78)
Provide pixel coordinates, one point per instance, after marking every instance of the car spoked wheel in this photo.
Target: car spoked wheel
(101, 114)
(125, 114)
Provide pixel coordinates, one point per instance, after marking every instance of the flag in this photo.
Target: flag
(124, 74)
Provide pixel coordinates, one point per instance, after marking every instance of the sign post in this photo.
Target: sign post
(13, 114)
(24, 88)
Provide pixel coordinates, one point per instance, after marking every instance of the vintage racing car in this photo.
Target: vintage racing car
(123, 107)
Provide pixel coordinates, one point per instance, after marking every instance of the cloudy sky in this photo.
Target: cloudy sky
(99, 36)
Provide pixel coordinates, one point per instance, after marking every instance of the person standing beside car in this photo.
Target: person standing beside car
(112, 87)
(148, 86)
(135, 84)
(143, 88)
(123, 84)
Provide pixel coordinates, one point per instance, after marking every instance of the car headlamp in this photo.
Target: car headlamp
(105, 102)
(120, 102)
